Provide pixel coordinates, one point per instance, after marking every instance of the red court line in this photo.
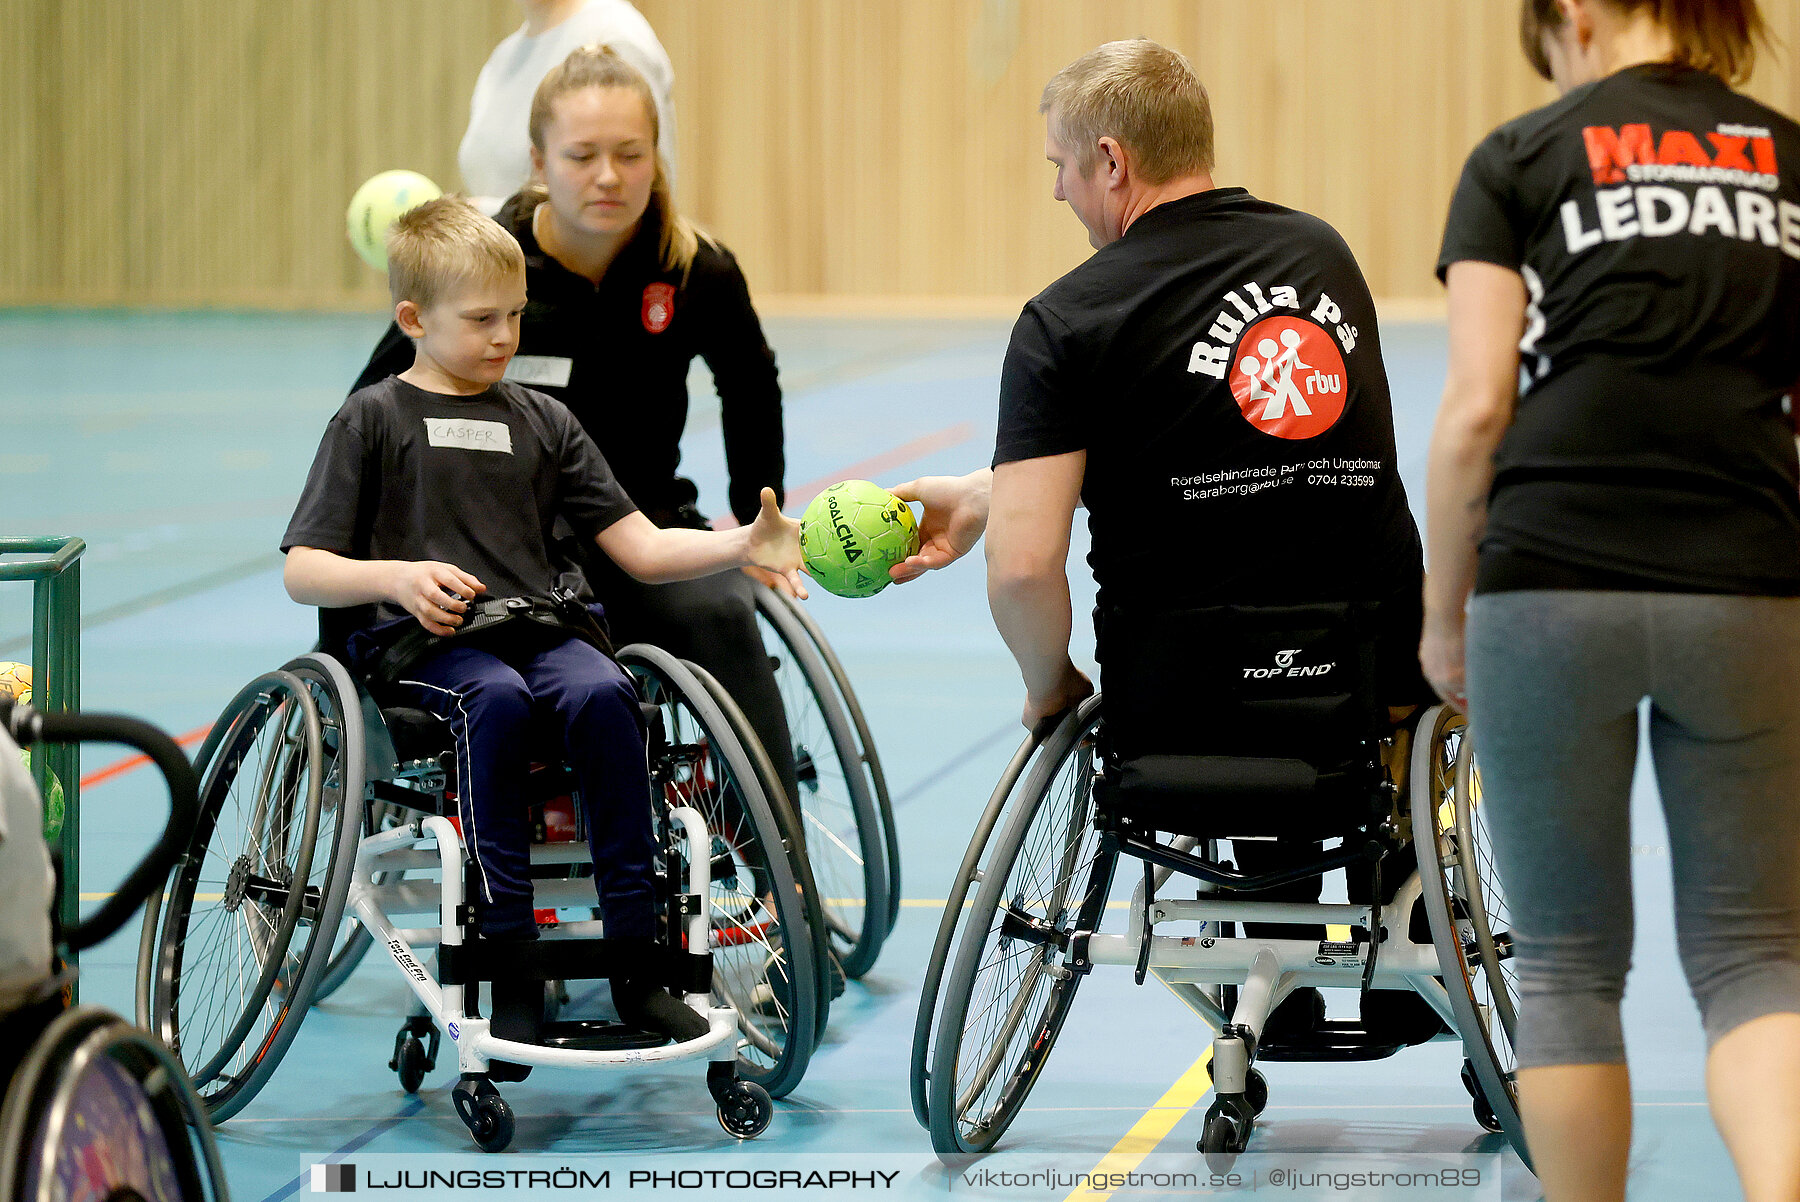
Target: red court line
(869, 468)
(866, 469)
(121, 767)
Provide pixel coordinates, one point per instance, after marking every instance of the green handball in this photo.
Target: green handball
(852, 533)
(55, 805)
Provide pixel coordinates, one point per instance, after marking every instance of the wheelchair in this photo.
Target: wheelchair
(844, 811)
(94, 1108)
(843, 802)
(317, 802)
(1260, 755)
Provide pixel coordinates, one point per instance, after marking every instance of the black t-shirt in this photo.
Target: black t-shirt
(475, 482)
(1659, 238)
(617, 355)
(1220, 366)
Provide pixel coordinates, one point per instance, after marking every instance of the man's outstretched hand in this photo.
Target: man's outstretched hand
(956, 514)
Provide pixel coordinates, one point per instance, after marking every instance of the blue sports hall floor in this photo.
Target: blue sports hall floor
(175, 444)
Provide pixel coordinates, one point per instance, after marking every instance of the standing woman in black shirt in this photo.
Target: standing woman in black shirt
(622, 294)
(1629, 526)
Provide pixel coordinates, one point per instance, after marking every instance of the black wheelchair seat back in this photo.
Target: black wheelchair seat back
(1251, 721)
(337, 625)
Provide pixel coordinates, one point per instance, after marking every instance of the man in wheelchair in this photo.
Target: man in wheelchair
(431, 502)
(1210, 385)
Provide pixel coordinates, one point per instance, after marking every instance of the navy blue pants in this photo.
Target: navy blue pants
(527, 689)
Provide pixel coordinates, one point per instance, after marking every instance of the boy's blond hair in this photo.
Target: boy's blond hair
(1141, 93)
(444, 243)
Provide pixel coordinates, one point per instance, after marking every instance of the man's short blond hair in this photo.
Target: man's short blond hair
(443, 244)
(1144, 95)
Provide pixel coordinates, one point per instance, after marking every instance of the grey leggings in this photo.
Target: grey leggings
(1555, 681)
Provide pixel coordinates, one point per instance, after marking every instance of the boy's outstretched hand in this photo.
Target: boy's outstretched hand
(956, 514)
(437, 594)
(775, 544)
(774, 580)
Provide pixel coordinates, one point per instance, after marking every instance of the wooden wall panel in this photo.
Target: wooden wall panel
(201, 152)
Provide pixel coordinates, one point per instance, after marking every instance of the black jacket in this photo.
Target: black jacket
(626, 345)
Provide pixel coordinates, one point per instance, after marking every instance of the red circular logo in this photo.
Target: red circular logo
(1289, 378)
(659, 307)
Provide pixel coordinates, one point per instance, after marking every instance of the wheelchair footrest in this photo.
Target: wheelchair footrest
(572, 960)
(1333, 1040)
(599, 1035)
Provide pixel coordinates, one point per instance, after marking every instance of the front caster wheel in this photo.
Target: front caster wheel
(1256, 1089)
(745, 1110)
(1223, 1138)
(411, 1062)
(415, 1056)
(484, 1112)
(1484, 1110)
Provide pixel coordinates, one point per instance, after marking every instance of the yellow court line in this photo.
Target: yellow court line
(1152, 1128)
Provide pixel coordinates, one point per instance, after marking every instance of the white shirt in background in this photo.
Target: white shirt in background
(495, 156)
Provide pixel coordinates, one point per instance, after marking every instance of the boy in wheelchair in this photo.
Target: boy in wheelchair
(431, 504)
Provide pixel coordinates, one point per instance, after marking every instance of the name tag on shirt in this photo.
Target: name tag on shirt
(468, 435)
(549, 370)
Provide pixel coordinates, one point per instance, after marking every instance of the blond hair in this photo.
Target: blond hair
(446, 242)
(678, 239)
(1141, 93)
(1716, 36)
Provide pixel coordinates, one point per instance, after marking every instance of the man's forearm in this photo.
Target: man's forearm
(1033, 615)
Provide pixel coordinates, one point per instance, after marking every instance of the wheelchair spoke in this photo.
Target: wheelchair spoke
(1013, 1006)
(1466, 908)
(745, 936)
(853, 855)
(833, 800)
(760, 938)
(998, 1040)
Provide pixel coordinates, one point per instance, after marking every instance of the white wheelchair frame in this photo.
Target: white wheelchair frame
(424, 844)
(318, 769)
(1195, 966)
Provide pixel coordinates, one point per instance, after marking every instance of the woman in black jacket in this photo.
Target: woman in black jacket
(623, 294)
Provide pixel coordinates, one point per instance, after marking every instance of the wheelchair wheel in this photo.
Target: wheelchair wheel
(1009, 991)
(1473, 954)
(238, 950)
(837, 802)
(98, 1109)
(787, 819)
(764, 914)
(1489, 920)
(871, 761)
(968, 875)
